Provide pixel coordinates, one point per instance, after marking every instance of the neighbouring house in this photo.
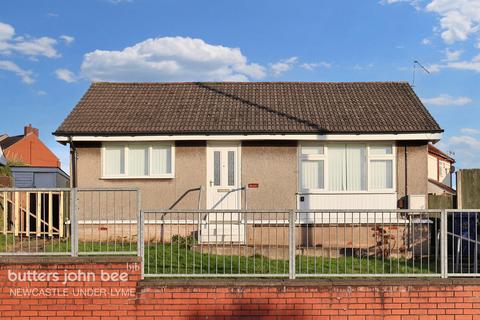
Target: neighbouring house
(440, 171)
(32, 163)
(254, 145)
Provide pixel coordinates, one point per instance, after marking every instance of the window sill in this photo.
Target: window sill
(345, 192)
(139, 178)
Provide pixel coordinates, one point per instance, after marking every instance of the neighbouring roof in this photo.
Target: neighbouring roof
(248, 108)
(434, 150)
(442, 186)
(8, 141)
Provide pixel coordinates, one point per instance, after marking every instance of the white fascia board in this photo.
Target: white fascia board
(308, 137)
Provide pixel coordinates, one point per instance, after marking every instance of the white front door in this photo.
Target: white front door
(223, 176)
(223, 194)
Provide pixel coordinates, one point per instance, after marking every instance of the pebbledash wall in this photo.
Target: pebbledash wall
(110, 288)
(272, 164)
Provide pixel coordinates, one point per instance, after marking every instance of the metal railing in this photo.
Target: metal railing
(240, 243)
(292, 243)
(106, 221)
(462, 243)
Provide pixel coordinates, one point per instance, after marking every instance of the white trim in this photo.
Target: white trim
(324, 157)
(125, 146)
(312, 137)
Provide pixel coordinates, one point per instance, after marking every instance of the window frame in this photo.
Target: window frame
(373, 157)
(126, 147)
(313, 157)
(369, 157)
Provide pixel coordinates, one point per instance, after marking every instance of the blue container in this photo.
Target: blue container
(465, 225)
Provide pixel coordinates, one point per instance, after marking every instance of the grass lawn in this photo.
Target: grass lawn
(179, 257)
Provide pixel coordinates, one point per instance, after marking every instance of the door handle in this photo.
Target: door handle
(211, 183)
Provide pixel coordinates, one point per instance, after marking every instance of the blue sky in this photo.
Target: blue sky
(51, 52)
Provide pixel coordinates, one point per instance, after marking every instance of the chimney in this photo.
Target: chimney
(29, 129)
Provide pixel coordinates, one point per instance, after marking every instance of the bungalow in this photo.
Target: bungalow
(272, 145)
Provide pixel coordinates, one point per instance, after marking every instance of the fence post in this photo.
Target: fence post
(291, 244)
(74, 222)
(141, 240)
(444, 243)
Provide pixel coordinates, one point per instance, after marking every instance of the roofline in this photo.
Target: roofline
(443, 186)
(228, 133)
(56, 169)
(246, 82)
(423, 136)
(439, 153)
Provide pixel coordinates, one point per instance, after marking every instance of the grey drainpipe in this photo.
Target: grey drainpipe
(73, 159)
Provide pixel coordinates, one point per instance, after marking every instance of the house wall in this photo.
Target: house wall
(32, 151)
(190, 172)
(412, 179)
(439, 170)
(273, 165)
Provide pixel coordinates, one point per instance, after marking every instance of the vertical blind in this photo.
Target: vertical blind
(137, 160)
(348, 167)
(381, 176)
(161, 160)
(114, 161)
(312, 174)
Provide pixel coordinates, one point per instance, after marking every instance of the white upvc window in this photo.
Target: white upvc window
(381, 167)
(312, 167)
(138, 160)
(346, 167)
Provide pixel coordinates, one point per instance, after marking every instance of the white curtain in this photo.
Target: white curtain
(138, 161)
(336, 168)
(381, 176)
(355, 167)
(312, 174)
(161, 160)
(114, 161)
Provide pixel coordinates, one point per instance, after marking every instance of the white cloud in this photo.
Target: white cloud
(283, 65)
(426, 42)
(25, 75)
(466, 149)
(470, 131)
(447, 100)
(363, 67)
(452, 55)
(67, 39)
(170, 59)
(470, 65)
(41, 93)
(66, 75)
(26, 45)
(458, 18)
(6, 31)
(314, 65)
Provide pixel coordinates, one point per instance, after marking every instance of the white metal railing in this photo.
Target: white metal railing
(292, 243)
(240, 243)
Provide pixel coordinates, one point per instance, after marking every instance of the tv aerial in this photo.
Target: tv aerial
(415, 64)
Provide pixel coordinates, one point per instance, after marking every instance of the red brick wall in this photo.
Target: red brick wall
(218, 299)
